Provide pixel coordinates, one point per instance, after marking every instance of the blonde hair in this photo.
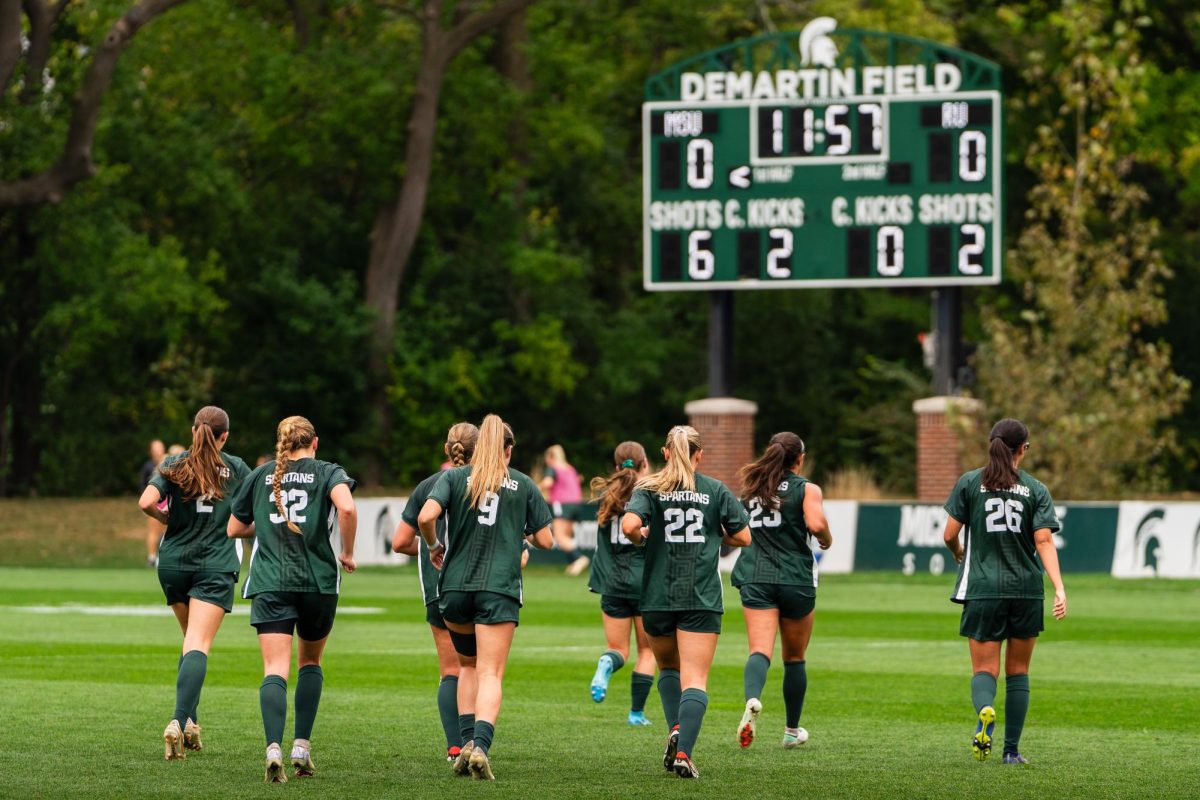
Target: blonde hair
(460, 442)
(488, 468)
(555, 454)
(198, 473)
(293, 433)
(683, 441)
(617, 488)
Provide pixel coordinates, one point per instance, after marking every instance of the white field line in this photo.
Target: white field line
(152, 611)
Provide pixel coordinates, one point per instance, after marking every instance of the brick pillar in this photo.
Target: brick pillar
(726, 426)
(939, 451)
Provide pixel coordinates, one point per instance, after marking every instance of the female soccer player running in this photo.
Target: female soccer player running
(1010, 522)
(617, 578)
(197, 565)
(492, 510)
(683, 516)
(459, 447)
(778, 579)
(287, 505)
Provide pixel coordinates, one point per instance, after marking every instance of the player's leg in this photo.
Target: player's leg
(762, 624)
(204, 618)
(795, 633)
(616, 636)
(661, 633)
(1017, 656)
(154, 534)
(275, 641)
(563, 530)
(985, 666)
(310, 680)
(494, 643)
(696, 649)
(643, 675)
(462, 637)
(447, 694)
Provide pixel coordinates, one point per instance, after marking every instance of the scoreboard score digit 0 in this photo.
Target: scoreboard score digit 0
(791, 161)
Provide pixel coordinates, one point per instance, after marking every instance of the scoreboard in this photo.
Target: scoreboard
(823, 159)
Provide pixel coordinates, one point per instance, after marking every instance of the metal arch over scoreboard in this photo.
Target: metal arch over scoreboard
(828, 158)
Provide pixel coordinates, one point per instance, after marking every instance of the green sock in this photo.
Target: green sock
(639, 690)
(754, 676)
(1016, 704)
(618, 660)
(983, 690)
(692, 706)
(466, 727)
(447, 700)
(308, 697)
(795, 685)
(192, 667)
(192, 712)
(668, 692)
(484, 732)
(272, 698)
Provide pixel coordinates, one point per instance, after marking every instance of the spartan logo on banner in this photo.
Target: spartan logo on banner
(1158, 540)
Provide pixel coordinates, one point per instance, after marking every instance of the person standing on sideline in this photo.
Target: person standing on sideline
(492, 510)
(777, 578)
(563, 489)
(1009, 523)
(288, 505)
(617, 577)
(459, 447)
(683, 516)
(190, 496)
(154, 528)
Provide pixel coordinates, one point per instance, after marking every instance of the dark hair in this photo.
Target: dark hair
(761, 478)
(617, 488)
(198, 473)
(1004, 441)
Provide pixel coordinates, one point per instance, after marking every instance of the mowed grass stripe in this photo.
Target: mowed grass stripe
(1113, 712)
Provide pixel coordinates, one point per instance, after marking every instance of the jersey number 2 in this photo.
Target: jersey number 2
(676, 518)
(772, 519)
(295, 501)
(1004, 516)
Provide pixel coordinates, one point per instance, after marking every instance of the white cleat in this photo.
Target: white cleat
(274, 772)
(173, 741)
(302, 762)
(746, 727)
(794, 737)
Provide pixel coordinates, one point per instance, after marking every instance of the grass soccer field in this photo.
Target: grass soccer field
(88, 657)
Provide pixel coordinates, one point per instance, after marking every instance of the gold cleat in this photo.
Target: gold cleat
(191, 736)
(462, 764)
(173, 740)
(274, 772)
(302, 762)
(481, 768)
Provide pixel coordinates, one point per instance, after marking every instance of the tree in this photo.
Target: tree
(1073, 361)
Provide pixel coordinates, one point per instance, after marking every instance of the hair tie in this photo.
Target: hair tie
(627, 464)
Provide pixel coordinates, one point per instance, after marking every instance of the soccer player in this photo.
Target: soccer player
(778, 579)
(287, 505)
(492, 509)
(1010, 522)
(617, 578)
(197, 565)
(459, 447)
(563, 489)
(154, 529)
(683, 516)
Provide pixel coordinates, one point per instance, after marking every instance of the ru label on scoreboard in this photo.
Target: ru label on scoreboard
(824, 158)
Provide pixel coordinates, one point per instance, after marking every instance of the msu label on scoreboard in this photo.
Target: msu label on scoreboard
(824, 158)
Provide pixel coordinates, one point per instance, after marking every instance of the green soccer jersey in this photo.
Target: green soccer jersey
(1000, 557)
(684, 544)
(619, 563)
(779, 552)
(412, 509)
(484, 544)
(195, 540)
(284, 561)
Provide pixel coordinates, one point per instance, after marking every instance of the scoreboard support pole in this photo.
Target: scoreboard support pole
(947, 320)
(720, 344)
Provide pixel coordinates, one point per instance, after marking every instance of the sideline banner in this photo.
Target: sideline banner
(1157, 540)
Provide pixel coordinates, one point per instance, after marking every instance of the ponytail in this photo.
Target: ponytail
(761, 478)
(294, 433)
(198, 473)
(488, 467)
(1004, 443)
(617, 488)
(460, 443)
(683, 441)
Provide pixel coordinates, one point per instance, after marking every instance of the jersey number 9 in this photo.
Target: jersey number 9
(489, 508)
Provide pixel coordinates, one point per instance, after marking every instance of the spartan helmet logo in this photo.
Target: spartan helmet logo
(816, 48)
(1147, 543)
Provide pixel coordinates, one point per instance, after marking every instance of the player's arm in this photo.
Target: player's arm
(427, 522)
(347, 516)
(814, 515)
(542, 539)
(738, 539)
(149, 501)
(236, 529)
(404, 540)
(1044, 539)
(633, 528)
(950, 537)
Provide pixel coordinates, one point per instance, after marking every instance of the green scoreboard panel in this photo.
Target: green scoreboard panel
(823, 159)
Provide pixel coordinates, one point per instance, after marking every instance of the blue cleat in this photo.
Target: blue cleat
(1015, 758)
(604, 670)
(638, 718)
(985, 726)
